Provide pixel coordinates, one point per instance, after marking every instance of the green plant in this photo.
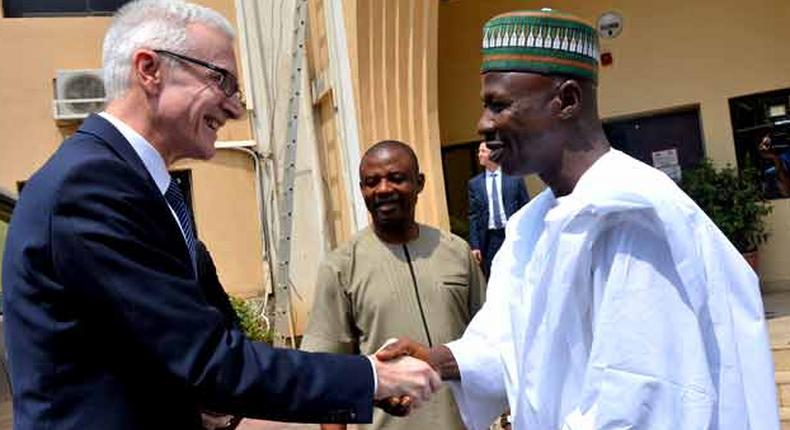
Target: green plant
(734, 202)
(252, 324)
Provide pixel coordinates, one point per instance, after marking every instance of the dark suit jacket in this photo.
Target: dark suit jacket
(107, 327)
(514, 196)
(211, 287)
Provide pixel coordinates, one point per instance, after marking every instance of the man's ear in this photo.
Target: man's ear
(147, 70)
(569, 96)
(420, 182)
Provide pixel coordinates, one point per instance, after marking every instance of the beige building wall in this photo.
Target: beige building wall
(223, 189)
(393, 51)
(391, 48)
(338, 205)
(671, 53)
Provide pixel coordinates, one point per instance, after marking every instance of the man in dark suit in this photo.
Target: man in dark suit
(215, 295)
(493, 198)
(107, 326)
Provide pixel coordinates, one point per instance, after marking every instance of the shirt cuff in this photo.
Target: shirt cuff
(375, 376)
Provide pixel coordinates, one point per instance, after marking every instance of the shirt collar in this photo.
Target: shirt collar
(495, 172)
(151, 158)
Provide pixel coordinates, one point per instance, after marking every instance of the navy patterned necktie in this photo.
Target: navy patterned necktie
(176, 201)
(495, 203)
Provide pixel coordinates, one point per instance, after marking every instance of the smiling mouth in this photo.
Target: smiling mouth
(213, 123)
(387, 206)
(496, 147)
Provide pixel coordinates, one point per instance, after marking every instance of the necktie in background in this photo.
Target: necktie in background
(495, 203)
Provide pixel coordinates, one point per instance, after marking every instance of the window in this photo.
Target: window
(459, 163)
(761, 132)
(37, 8)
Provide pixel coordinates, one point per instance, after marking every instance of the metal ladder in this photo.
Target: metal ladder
(283, 322)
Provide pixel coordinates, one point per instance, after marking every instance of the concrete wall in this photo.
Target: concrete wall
(671, 53)
(223, 191)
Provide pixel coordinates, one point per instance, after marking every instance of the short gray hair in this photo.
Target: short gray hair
(152, 24)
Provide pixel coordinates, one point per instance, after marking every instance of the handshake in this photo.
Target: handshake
(408, 374)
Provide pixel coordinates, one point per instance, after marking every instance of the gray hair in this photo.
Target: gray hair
(152, 24)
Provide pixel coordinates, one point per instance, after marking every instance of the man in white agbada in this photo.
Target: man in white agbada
(614, 303)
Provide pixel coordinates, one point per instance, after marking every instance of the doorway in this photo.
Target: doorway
(459, 163)
(669, 140)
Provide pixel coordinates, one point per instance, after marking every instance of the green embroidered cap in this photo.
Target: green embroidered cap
(540, 41)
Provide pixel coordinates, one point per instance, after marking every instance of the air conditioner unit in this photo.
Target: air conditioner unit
(78, 93)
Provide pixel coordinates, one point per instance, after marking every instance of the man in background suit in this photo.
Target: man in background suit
(493, 198)
(106, 323)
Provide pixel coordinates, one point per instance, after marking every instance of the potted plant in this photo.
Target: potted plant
(252, 324)
(734, 202)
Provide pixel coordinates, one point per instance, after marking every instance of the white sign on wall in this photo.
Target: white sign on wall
(667, 162)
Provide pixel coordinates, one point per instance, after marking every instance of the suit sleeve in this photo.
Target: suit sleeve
(331, 327)
(475, 215)
(212, 288)
(106, 249)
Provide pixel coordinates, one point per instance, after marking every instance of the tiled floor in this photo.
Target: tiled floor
(777, 310)
(269, 425)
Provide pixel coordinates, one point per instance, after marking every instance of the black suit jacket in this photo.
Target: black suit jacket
(514, 196)
(106, 324)
(211, 287)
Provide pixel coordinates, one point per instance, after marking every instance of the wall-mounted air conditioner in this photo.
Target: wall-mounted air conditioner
(78, 93)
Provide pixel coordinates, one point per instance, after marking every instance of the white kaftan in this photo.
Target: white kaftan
(618, 306)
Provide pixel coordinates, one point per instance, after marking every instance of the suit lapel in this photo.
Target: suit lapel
(102, 129)
(99, 127)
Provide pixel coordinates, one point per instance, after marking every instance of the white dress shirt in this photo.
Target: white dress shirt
(490, 178)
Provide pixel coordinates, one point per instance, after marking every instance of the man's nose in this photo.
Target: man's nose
(485, 126)
(233, 106)
(383, 187)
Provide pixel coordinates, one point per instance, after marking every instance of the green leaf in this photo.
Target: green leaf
(252, 324)
(734, 202)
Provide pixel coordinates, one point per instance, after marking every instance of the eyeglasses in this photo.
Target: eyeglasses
(226, 81)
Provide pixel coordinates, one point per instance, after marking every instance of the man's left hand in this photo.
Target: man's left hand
(395, 406)
(478, 255)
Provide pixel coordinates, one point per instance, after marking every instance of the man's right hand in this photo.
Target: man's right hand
(440, 357)
(405, 376)
(477, 255)
(403, 347)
